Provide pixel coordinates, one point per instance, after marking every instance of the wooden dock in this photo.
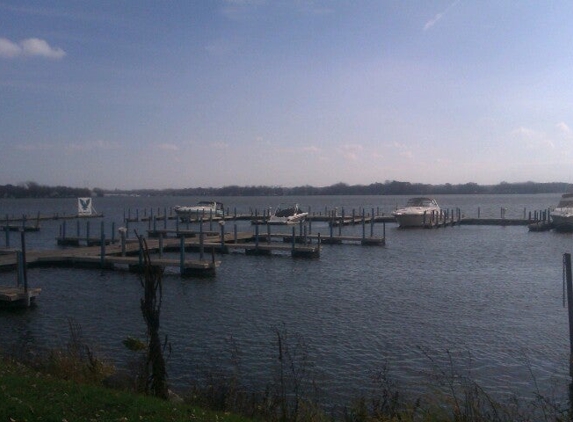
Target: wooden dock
(18, 296)
(127, 253)
(82, 240)
(45, 217)
(327, 240)
(107, 258)
(495, 221)
(18, 228)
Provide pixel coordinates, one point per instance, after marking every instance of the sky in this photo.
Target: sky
(125, 94)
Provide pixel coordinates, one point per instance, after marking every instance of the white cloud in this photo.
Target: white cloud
(35, 147)
(532, 138)
(30, 47)
(350, 151)
(168, 147)
(439, 16)
(312, 149)
(220, 145)
(403, 150)
(8, 49)
(240, 9)
(566, 130)
(92, 146)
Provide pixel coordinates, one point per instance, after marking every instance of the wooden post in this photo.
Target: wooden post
(7, 232)
(293, 239)
(372, 224)
(122, 231)
(160, 245)
(102, 246)
(64, 230)
(201, 248)
(24, 273)
(235, 233)
(222, 226)
(165, 218)
(363, 225)
(568, 279)
(112, 232)
(140, 255)
(20, 273)
(256, 236)
(182, 255)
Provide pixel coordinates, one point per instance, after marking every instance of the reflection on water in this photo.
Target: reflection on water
(490, 298)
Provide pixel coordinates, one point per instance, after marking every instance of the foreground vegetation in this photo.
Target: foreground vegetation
(71, 384)
(29, 395)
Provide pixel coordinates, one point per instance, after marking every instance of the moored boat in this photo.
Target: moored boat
(203, 209)
(562, 214)
(287, 215)
(418, 212)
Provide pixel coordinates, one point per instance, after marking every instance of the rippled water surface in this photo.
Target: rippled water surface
(488, 297)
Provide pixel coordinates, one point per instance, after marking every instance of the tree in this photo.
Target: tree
(151, 281)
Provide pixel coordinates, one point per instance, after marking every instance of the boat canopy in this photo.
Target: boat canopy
(566, 201)
(421, 202)
(287, 212)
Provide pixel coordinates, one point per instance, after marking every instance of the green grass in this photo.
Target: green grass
(27, 395)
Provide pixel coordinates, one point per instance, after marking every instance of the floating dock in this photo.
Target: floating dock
(18, 296)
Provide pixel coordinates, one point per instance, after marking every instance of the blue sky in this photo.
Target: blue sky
(169, 94)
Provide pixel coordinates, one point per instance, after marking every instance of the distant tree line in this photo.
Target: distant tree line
(386, 188)
(35, 190)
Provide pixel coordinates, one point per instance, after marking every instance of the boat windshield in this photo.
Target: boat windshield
(285, 212)
(210, 204)
(420, 202)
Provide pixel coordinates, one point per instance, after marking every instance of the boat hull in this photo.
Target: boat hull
(293, 219)
(186, 214)
(562, 223)
(418, 219)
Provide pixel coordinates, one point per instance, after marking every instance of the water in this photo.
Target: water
(489, 298)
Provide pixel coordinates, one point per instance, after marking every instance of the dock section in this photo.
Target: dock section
(18, 296)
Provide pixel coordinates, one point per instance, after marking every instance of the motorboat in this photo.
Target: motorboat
(418, 212)
(562, 214)
(203, 209)
(287, 215)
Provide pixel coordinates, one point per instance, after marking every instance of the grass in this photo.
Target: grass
(27, 395)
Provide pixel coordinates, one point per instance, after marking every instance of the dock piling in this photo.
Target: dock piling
(569, 283)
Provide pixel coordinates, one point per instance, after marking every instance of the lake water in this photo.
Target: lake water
(489, 298)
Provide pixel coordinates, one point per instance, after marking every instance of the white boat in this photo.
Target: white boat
(418, 212)
(203, 209)
(287, 215)
(562, 215)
